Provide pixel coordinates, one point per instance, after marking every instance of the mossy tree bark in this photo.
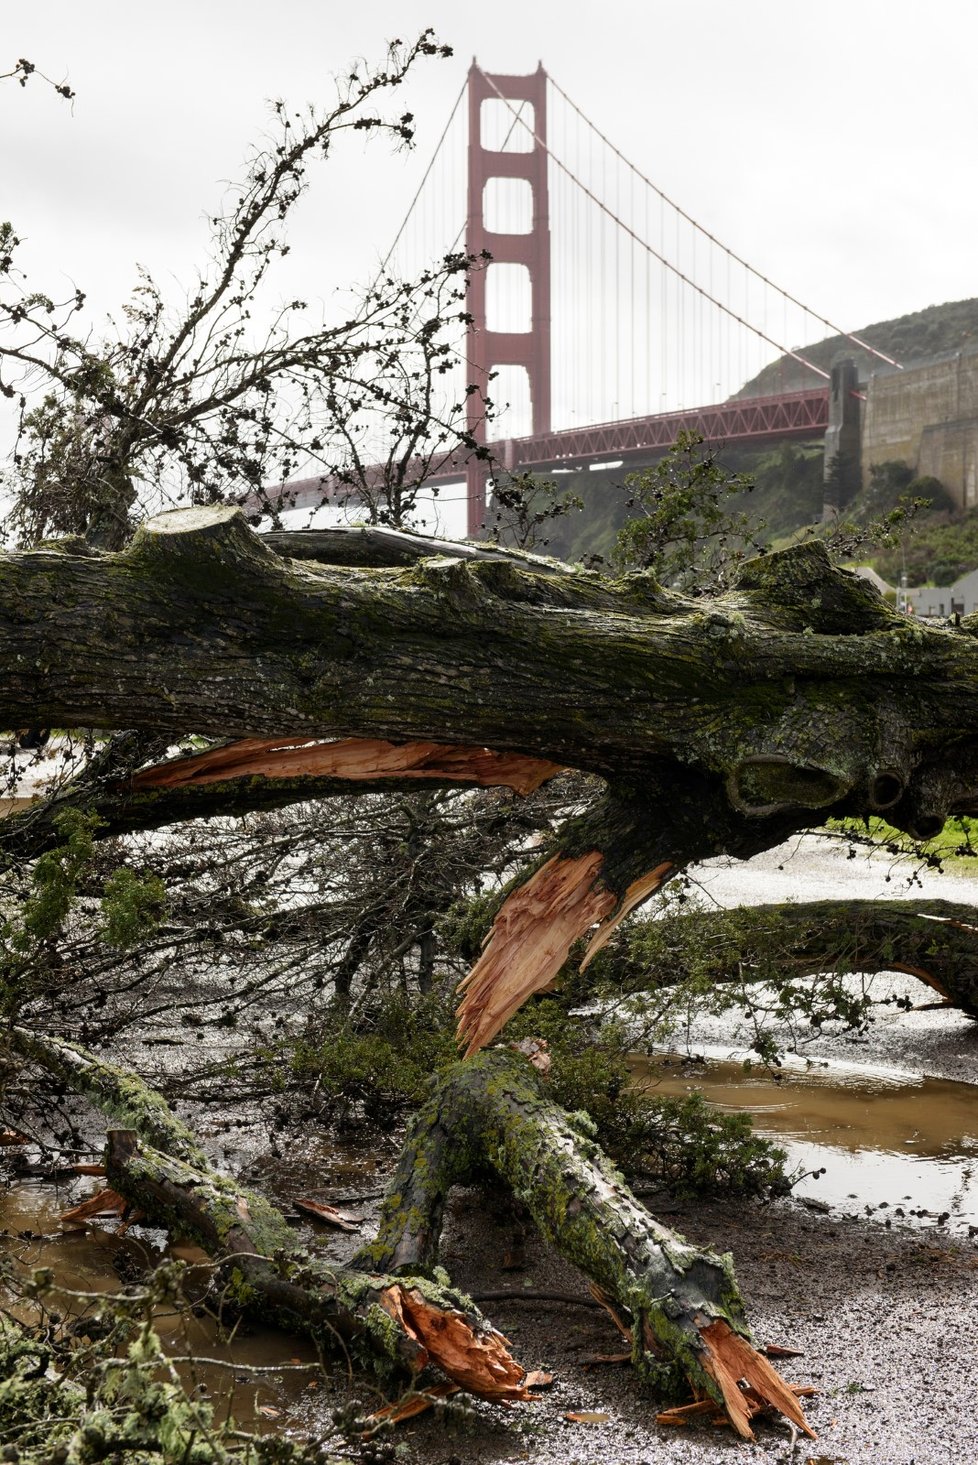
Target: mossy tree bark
(800, 688)
(720, 725)
(682, 1303)
(399, 1324)
(933, 940)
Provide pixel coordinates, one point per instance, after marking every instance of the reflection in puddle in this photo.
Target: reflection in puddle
(885, 1139)
(96, 1260)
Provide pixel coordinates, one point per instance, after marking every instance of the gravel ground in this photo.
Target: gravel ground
(877, 1314)
(885, 1314)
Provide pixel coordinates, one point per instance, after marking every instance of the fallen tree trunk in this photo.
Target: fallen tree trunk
(800, 687)
(398, 1325)
(682, 1303)
(933, 940)
(115, 1091)
(721, 725)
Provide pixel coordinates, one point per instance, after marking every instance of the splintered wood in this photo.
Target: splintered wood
(342, 1220)
(479, 1362)
(529, 942)
(748, 1383)
(638, 891)
(409, 1406)
(102, 1203)
(355, 759)
(532, 935)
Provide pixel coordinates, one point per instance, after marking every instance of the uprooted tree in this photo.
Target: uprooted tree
(717, 725)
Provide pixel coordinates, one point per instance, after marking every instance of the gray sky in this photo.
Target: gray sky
(833, 145)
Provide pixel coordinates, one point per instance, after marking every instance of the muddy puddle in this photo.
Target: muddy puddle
(95, 1260)
(901, 1148)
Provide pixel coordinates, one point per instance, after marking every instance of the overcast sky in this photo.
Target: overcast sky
(832, 144)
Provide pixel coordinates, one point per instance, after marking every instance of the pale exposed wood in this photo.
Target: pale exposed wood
(356, 759)
(342, 1220)
(682, 1413)
(533, 934)
(103, 1203)
(728, 1358)
(923, 975)
(377, 545)
(638, 891)
(529, 942)
(409, 1406)
(480, 1362)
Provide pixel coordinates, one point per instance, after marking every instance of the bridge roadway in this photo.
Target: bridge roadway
(748, 420)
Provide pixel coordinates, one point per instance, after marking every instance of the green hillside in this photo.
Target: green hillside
(788, 478)
(930, 332)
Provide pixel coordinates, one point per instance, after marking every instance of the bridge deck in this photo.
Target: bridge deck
(748, 420)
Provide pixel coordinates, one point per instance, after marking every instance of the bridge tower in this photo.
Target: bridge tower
(843, 439)
(486, 349)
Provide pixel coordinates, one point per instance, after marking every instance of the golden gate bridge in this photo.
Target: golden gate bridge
(606, 315)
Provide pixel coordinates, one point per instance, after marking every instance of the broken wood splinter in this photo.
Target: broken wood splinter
(355, 759)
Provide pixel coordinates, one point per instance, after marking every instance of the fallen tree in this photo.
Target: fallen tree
(718, 725)
(680, 1304)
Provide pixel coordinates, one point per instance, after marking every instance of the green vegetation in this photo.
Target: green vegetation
(931, 332)
(769, 493)
(954, 849)
(681, 522)
(383, 1064)
(65, 885)
(939, 550)
(89, 1381)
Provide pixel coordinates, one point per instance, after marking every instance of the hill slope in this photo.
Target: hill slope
(925, 333)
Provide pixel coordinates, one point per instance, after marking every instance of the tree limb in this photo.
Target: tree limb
(683, 1304)
(401, 1324)
(934, 940)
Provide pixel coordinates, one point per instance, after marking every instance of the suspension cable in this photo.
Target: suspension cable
(847, 335)
(417, 193)
(784, 350)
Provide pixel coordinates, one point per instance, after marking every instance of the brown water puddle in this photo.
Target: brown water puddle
(887, 1141)
(15, 806)
(97, 1260)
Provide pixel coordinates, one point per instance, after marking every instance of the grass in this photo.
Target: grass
(955, 849)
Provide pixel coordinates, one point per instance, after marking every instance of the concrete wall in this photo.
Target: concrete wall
(927, 416)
